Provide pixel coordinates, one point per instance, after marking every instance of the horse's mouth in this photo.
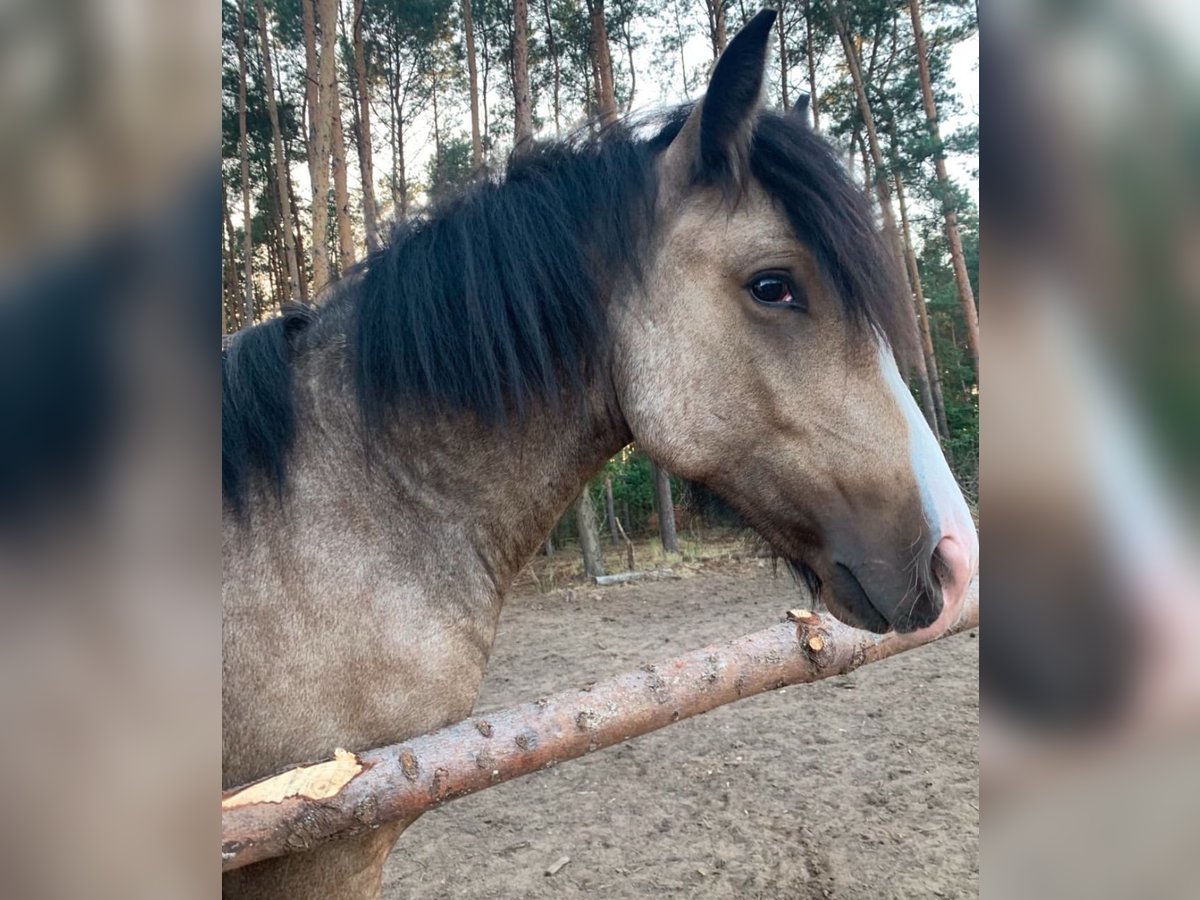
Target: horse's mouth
(843, 596)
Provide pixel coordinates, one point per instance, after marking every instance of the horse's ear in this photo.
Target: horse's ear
(800, 111)
(715, 141)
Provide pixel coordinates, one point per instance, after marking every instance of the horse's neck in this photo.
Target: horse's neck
(506, 487)
(500, 489)
(388, 568)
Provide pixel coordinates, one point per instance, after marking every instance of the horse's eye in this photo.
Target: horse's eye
(774, 290)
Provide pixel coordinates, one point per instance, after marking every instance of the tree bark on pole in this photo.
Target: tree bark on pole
(589, 535)
(666, 509)
(243, 151)
(281, 173)
(522, 104)
(931, 366)
(319, 75)
(602, 58)
(966, 296)
(472, 86)
(354, 792)
(366, 163)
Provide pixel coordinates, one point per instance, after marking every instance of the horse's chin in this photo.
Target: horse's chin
(844, 597)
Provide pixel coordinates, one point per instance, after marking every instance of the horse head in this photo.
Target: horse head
(757, 355)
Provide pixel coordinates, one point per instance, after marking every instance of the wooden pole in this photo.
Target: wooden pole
(356, 792)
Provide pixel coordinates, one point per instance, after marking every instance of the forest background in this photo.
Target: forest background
(380, 107)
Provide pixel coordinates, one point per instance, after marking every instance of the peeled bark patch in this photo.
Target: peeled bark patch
(316, 782)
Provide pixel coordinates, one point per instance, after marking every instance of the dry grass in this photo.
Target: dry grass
(698, 549)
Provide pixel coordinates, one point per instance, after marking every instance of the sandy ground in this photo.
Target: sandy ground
(860, 786)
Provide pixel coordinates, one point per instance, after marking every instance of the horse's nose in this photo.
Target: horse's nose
(955, 564)
(953, 569)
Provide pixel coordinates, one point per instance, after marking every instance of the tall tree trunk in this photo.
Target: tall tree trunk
(472, 87)
(679, 40)
(366, 162)
(395, 132)
(603, 62)
(783, 60)
(403, 169)
(813, 103)
(401, 176)
(627, 33)
(283, 291)
(522, 105)
(868, 178)
(244, 152)
(716, 25)
(437, 126)
(299, 237)
(966, 296)
(610, 511)
(914, 274)
(273, 280)
(876, 154)
(589, 537)
(487, 71)
(229, 278)
(666, 510)
(317, 85)
(883, 193)
(341, 190)
(552, 48)
(297, 230)
(592, 106)
(281, 173)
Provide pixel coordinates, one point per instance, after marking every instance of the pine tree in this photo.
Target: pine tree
(468, 26)
(522, 102)
(362, 125)
(589, 535)
(244, 152)
(602, 61)
(281, 172)
(965, 294)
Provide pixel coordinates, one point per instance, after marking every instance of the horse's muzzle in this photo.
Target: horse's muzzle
(923, 590)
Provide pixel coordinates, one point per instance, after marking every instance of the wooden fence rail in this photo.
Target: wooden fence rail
(354, 792)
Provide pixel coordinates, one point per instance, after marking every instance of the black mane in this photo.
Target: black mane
(496, 299)
(497, 296)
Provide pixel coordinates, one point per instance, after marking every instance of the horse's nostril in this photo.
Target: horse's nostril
(953, 569)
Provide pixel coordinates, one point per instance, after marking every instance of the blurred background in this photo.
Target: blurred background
(1090, 676)
(126, 174)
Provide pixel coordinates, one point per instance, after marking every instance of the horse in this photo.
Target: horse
(711, 285)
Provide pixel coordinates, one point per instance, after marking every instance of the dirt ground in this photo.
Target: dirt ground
(860, 786)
